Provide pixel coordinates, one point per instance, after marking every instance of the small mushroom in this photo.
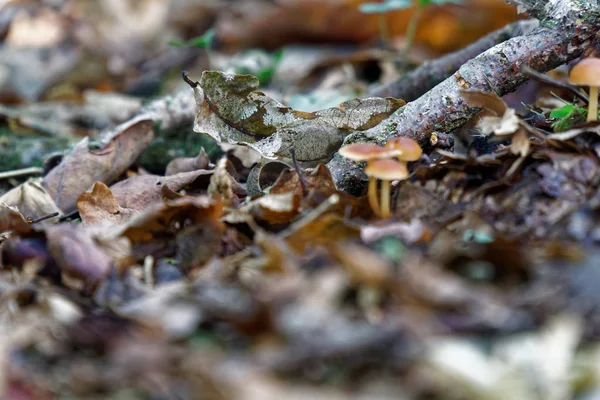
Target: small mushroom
(409, 149)
(368, 152)
(387, 170)
(587, 73)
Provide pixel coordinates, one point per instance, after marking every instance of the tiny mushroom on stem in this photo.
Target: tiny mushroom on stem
(587, 73)
(408, 149)
(387, 170)
(368, 152)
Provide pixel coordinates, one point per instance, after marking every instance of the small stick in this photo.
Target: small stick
(298, 171)
(556, 83)
(21, 172)
(186, 78)
(43, 218)
(311, 216)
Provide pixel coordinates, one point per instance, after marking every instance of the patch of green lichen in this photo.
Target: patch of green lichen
(391, 127)
(22, 151)
(178, 143)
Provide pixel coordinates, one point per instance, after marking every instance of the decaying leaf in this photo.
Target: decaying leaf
(83, 166)
(230, 110)
(504, 121)
(140, 191)
(83, 264)
(11, 219)
(100, 205)
(31, 199)
(156, 228)
(188, 164)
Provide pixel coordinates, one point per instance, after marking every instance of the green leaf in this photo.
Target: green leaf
(177, 43)
(203, 41)
(563, 111)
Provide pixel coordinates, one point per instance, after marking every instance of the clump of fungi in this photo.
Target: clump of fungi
(587, 73)
(386, 163)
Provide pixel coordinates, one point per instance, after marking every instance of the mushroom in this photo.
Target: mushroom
(387, 170)
(587, 73)
(408, 149)
(368, 152)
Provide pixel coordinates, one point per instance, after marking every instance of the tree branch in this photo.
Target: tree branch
(418, 81)
(498, 70)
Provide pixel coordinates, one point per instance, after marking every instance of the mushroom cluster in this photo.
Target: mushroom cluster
(385, 163)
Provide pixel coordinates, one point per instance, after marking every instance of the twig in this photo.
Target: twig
(43, 218)
(21, 172)
(312, 216)
(186, 78)
(298, 171)
(556, 83)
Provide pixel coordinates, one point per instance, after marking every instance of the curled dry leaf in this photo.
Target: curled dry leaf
(32, 200)
(138, 192)
(188, 164)
(100, 205)
(12, 220)
(504, 120)
(319, 185)
(230, 110)
(83, 166)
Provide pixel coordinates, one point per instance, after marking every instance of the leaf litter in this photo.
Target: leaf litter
(240, 270)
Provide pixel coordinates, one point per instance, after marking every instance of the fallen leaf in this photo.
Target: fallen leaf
(155, 229)
(83, 264)
(100, 205)
(138, 192)
(83, 166)
(228, 109)
(12, 220)
(188, 164)
(32, 199)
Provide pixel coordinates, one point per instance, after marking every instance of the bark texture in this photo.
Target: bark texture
(568, 29)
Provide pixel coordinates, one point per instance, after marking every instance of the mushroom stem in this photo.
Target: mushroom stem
(593, 106)
(385, 199)
(373, 196)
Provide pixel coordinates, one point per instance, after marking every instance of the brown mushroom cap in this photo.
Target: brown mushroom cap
(365, 152)
(410, 149)
(388, 169)
(586, 72)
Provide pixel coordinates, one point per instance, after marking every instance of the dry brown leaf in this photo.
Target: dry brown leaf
(32, 200)
(12, 220)
(100, 205)
(319, 185)
(188, 164)
(328, 229)
(138, 192)
(156, 228)
(84, 166)
(83, 264)
(363, 265)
